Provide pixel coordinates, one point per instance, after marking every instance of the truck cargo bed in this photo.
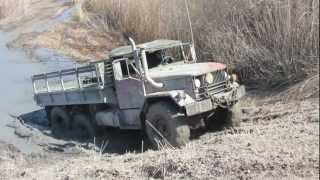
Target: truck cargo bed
(83, 85)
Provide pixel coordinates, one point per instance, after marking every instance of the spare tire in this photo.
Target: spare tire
(60, 121)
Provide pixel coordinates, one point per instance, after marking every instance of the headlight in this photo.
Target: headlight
(226, 76)
(209, 78)
(234, 78)
(197, 83)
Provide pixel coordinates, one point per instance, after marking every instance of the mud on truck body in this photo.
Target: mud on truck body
(158, 87)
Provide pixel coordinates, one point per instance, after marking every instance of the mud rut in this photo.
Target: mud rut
(274, 140)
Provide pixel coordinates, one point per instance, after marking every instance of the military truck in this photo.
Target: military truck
(156, 87)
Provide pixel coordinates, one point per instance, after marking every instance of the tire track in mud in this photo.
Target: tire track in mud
(270, 110)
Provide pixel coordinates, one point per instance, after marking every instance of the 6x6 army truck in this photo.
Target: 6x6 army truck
(157, 87)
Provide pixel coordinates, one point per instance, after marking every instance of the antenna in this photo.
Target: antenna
(189, 19)
(192, 47)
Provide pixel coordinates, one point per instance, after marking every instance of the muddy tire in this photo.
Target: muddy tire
(82, 127)
(234, 116)
(169, 124)
(224, 118)
(47, 109)
(60, 121)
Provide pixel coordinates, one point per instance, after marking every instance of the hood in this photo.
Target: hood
(182, 69)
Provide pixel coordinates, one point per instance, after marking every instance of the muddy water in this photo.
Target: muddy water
(16, 93)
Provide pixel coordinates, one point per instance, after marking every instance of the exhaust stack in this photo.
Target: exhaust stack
(144, 64)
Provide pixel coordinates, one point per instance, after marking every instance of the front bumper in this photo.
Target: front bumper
(225, 99)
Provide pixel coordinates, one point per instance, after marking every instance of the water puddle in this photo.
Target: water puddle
(16, 69)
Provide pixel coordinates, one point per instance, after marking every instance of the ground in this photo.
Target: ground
(278, 136)
(275, 140)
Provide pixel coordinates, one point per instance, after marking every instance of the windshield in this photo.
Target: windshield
(169, 56)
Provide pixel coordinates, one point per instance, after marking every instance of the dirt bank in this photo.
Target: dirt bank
(61, 33)
(278, 140)
(73, 39)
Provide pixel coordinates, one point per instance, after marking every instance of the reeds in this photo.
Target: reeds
(268, 42)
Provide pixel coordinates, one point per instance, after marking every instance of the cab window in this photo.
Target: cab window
(125, 68)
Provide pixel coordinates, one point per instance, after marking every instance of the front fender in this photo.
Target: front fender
(179, 97)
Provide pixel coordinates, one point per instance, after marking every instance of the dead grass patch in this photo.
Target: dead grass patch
(74, 40)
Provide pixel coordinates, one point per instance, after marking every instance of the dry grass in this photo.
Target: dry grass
(279, 141)
(14, 7)
(268, 42)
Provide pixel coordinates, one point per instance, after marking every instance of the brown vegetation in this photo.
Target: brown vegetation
(73, 40)
(275, 141)
(268, 42)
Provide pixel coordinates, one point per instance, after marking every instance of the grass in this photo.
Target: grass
(268, 42)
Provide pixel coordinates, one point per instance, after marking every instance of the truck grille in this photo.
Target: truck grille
(220, 84)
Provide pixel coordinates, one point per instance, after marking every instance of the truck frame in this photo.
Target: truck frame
(157, 87)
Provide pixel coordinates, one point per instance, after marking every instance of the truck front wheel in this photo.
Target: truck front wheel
(234, 116)
(224, 117)
(164, 124)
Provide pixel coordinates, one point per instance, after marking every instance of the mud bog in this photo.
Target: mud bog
(275, 140)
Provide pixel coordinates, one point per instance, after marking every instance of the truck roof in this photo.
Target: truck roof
(149, 47)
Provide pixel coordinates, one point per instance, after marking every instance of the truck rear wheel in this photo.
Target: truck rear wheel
(60, 121)
(224, 118)
(165, 125)
(82, 127)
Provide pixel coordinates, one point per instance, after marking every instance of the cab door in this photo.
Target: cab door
(128, 84)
